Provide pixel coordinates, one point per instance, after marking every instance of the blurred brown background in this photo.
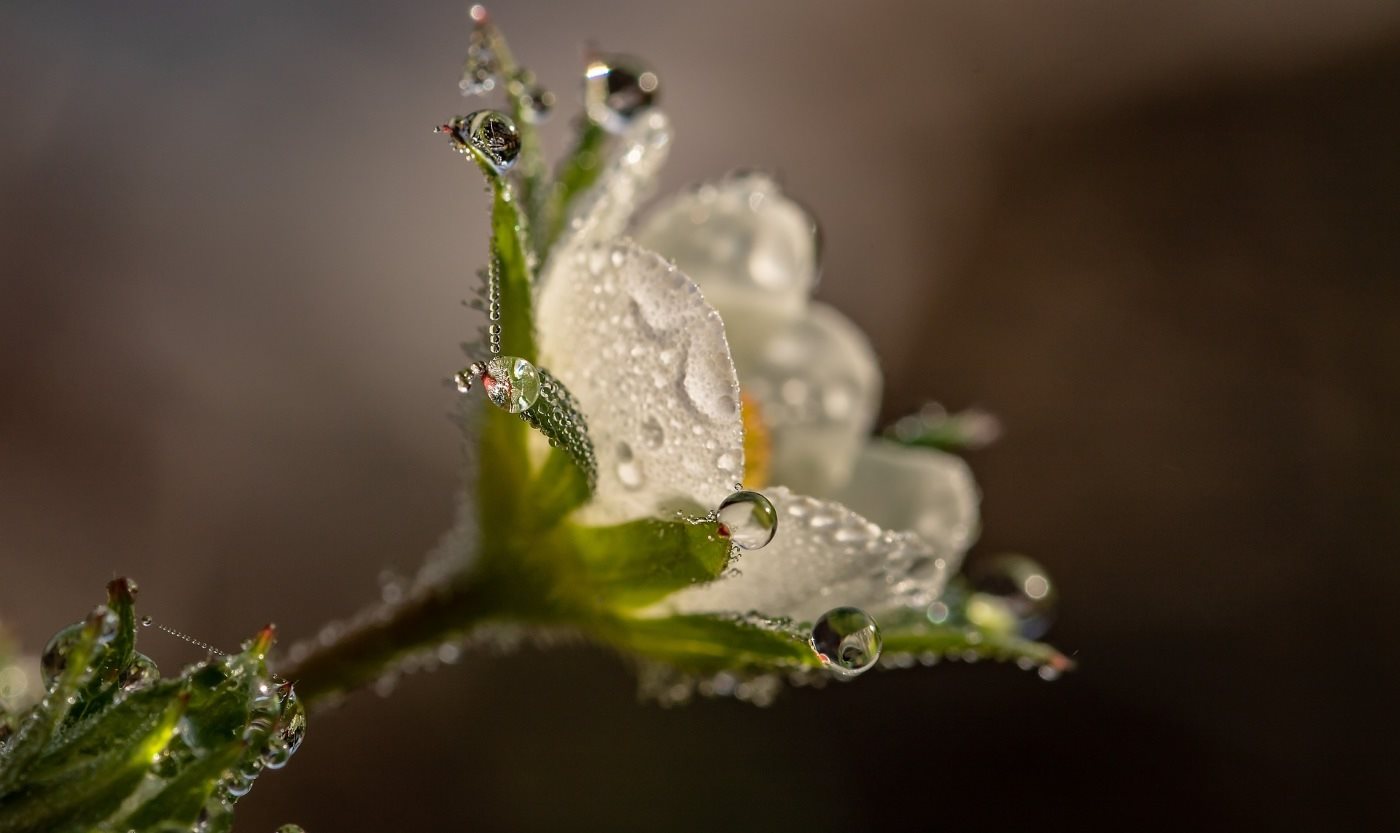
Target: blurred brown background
(1159, 239)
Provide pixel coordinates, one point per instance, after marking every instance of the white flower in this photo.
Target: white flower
(649, 360)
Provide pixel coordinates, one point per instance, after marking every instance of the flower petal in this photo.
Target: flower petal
(749, 247)
(824, 556)
(928, 492)
(647, 360)
(605, 210)
(817, 385)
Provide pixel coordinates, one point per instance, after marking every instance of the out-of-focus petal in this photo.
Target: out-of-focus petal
(823, 556)
(750, 248)
(646, 358)
(929, 492)
(817, 385)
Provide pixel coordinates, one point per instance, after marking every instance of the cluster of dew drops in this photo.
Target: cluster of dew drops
(277, 721)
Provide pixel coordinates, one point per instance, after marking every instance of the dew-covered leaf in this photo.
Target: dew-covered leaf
(633, 564)
(97, 785)
(180, 799)
(99, 750)
(704, 644)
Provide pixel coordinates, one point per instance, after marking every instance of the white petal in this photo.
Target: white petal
(817, 384)
(929, 492)
(646, 358)
(823, 556)
(604, 211)
(749, 247)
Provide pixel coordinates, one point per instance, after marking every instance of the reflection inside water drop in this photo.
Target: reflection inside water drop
(748, 519)
(848, 640)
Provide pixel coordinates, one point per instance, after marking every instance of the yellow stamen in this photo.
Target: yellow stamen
(758, 443)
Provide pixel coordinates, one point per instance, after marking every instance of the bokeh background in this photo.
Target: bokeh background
(1159, 239)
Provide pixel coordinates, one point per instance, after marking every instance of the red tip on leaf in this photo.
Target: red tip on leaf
(263, 641)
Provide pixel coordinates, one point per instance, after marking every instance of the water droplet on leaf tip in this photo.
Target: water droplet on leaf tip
(748, 519)
(489, 133)
(616, 89)
(848, 640)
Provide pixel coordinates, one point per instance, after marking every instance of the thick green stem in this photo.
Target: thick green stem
(365, 653)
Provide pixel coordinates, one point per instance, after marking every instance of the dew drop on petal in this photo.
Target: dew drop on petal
(652, 433)
(629, 469)
(848, 640)
(748, 519)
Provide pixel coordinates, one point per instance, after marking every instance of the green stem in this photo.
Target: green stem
(529, 165)
(364, 654)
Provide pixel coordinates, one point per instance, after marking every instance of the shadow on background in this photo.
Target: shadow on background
(223, 312)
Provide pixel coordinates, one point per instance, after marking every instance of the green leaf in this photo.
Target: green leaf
(180, 800)
(78, 803)
(709, 643)
(39, 725)
(913, 638)
(634, 564)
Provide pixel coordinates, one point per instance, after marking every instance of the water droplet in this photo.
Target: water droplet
(291, 828)
(147, 621)
(748, 519)
(1012, 593)
(629, 471)
(536, 103)
(511, 383)
(141, 673)
(847, 639)
(291, 730)
(489, 133)
(652, 433)
(947, 609)
(616, 89)
(55, 657)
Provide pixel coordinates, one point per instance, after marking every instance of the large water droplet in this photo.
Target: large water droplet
(616, 89)
(1012, 593)
(847, 639)
(291, 828)
(141, 673)
(55, 657)
(489, 133)
(511, 383)
(291, 730)
(748, 519)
